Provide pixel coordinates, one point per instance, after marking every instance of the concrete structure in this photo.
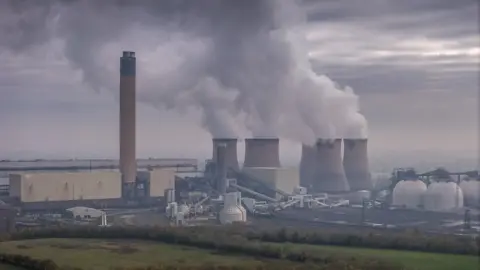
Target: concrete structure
(443, 196)
(330, 176)
(61, 186)
(262, 152)
(80, 212)
(471, 192)
(284, 179)
(356, 165)
(307, 165)
(128, 164)
(221, 168)
(158, 181)
(409, 193)
(231, 159)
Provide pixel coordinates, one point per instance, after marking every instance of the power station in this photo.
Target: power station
(334, 172)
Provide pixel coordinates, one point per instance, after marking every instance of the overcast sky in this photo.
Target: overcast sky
(414, 64)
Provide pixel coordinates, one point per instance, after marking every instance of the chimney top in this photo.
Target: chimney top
(128, 54)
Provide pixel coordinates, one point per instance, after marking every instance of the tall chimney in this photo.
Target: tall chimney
(221, 168)
(128, 163)
(231, 160)
(330, 176)
(307, 165)
(356, 165)
(262, 152)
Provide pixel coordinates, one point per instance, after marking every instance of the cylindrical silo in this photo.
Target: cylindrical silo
(128, 165)
(409, 193)
(231, 159)
(262, 152)
(307, 165)
(443, 196)
(329, 175)
(471, 192)
(356, 165)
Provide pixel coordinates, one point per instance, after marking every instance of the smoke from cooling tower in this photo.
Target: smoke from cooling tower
(240, 63)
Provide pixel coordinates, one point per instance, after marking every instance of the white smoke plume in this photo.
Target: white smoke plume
(227, 58)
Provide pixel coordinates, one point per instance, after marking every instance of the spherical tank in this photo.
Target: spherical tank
(409, 193)
(442, 196)
(471, 192)
(231, 212)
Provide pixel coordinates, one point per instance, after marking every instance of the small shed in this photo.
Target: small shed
(81, 212)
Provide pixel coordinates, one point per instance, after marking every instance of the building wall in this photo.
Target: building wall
(160, 180)
(15, 186)
(285, 179)
(61, 186)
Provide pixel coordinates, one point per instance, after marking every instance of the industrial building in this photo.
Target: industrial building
(307, 165)
(65, 186)
(157, 181)
(330, 175)
(262, 152)
(356, 165)
(7, 218)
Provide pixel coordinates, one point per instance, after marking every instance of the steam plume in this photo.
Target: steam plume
(227, 58)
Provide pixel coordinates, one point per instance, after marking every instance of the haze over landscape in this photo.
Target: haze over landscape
(413, 64)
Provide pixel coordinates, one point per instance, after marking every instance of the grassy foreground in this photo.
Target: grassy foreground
(412, 260)
(105, 254)
(99, 254)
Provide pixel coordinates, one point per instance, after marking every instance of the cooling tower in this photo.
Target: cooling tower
(355, 164)
(329, 175)
(128, 165)
(262, 152)
(231, 160)
(221, 168)
(307, 165)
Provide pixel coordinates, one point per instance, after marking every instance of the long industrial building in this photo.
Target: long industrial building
(57, 190)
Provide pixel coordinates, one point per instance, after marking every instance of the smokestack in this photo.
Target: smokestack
(330, 176)
(128, 163)
(231, 160)
(262, 152)
(221, 168)
(356, 165)
(307, 165)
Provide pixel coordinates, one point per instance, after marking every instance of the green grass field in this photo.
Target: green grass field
(410, 259)
(101, 254)
(104, 254)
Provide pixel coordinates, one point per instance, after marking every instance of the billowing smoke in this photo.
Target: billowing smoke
(240, 63)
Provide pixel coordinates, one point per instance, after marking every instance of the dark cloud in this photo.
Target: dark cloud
(413, 62)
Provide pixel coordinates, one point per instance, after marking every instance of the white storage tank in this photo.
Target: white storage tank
(471, 191)
(409, 193)
(443, 196)
(232, 211)
(358, 197)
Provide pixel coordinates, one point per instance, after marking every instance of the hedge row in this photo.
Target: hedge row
(26, 262)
